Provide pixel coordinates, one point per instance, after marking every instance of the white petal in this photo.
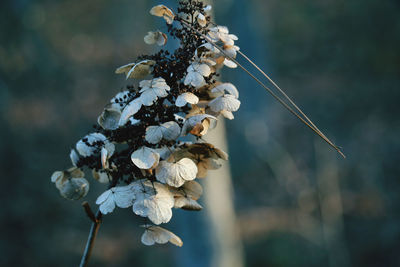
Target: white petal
(201, 19)
(195, 79)
(106, 202)
(145, 158)
(185, 98)
(123, 196)
(156, 234)
(203, 69)
(131, 109)
(154, 134)
(225, 102)
(230, 63)
(175, 174)
(153, 200)
(227, 114)
(109, 119)
(226, 87)
(168, 130)
(187, 204)
(101, 176)
(207, 8)
(171, 130)
(74, 157)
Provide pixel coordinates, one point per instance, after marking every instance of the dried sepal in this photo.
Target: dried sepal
(201, 19)
(196, 73)
(163, 11)
(156, 234)
(223, 88)
(109, 118)
(153, 200)
(156, 37)
(198, 124)
(176, 173)
(101, 176)
(153, 89)
(185, 98)
(73, 155)
(74, 188)
(145, 158)
(137, 70)
(131, 109)
(60, 177)
(121, 196)
(226, 102)
(169, 131)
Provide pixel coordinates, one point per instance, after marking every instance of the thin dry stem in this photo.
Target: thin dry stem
(94, 229)
(305, 120)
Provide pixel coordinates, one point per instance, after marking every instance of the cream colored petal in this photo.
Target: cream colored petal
(226, 87)
(145, 158)
(156, 234)
(163, 11)
(140, 70)
(153, 200)
(225, 102)
(175, 174)
(187, 204)
(125, 68)
(131, 109)
(185, 98)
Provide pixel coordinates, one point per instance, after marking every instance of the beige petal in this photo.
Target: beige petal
(163, 11)
(156, 234)
(157, 37)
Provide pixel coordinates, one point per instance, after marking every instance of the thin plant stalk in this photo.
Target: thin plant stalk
(308, 123)
(94, 229)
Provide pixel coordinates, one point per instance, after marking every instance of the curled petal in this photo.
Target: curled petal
(156, 234)
(157, 37)
(185, 98)
(163, 11)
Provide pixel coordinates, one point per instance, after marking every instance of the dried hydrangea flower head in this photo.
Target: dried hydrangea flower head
(137, 149)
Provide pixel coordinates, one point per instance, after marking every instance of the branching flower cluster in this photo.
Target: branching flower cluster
(140, 147)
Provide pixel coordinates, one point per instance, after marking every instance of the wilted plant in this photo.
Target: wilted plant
(139, 149)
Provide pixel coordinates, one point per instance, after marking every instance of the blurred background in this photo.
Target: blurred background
(296, 202)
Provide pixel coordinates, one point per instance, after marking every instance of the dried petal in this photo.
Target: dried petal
(185, 98)
(121, 196)
(153, 200)
(145, 158)
(177, 173)
(74, 188)
(225, 102)
(156, 234)
(169, 131)
(157, 37)
(163, 11)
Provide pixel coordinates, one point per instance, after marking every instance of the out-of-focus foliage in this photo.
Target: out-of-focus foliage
(298, 203)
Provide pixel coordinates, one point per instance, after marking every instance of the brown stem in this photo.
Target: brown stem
(90, 242)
